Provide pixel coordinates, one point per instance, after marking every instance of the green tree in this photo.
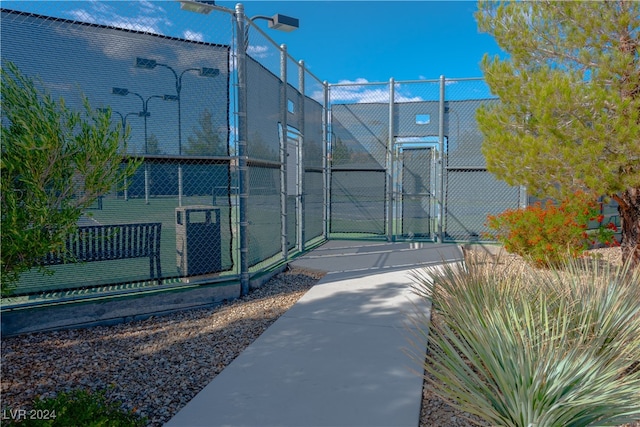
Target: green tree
(207, 141)
(55, 163)
(569, 116)
(153, 145)
(340, 153)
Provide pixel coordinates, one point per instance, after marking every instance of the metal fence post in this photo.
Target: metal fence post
(325, 160)
(441, 168)
(300, 177)
(242, 149)
(283, 152)
(390, 163)
(524, 199)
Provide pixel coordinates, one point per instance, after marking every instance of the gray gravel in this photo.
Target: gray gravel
(154, 366)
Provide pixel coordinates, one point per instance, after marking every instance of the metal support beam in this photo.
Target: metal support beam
(283, 152)
(301, 140)
(524, 199)
(441, 165)
(390, 162)
(243, 175)
(325, 160)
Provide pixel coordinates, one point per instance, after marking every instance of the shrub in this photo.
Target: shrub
(56, 161)
(80, 408)
(548, 235)
(530, 347)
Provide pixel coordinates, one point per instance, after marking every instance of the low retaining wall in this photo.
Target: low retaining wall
(120, 308)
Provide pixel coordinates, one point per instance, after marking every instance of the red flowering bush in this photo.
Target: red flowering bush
(547, 235)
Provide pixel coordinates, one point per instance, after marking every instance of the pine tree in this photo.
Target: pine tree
(207, 141)
(569, 116)
(153, 145)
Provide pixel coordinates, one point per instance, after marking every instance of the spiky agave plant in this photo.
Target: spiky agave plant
(525, 347)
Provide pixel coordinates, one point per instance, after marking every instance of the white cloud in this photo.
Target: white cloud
(359, 91)
(149, 19)
(150, 6)
(359, 80)
(193, 35)
(258, 51)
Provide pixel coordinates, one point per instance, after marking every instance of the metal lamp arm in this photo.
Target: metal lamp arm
(266, 18)
(175, 75)
(179, 81)
(144, 104)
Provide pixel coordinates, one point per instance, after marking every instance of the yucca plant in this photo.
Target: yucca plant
(527, 347)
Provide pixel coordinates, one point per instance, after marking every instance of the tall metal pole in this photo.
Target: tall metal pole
(145, 114)
(178, 90)
(123, 123)
(146, 165)
(390, 164)
(242, 150)
(283, 152)
(325, 160)
(442, 166)
(300, 156)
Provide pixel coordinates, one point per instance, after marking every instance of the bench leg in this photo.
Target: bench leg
(155, 268)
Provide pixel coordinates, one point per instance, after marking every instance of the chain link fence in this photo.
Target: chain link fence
(248, 157)
(359, 139)
(471, 193)
(190, 102)
(172, 95)
(406, 161)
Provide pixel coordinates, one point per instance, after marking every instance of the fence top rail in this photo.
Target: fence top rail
(129, 225)
(279, 47)
(405, 81)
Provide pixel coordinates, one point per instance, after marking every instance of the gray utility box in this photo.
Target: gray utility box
(198, 248)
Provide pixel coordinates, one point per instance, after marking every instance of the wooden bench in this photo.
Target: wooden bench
(112, 242)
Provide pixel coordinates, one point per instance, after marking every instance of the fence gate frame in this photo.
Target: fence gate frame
(401, 193)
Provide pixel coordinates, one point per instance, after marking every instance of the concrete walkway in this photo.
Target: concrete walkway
(337, 357)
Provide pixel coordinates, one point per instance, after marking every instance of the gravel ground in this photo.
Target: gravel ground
(157, 365)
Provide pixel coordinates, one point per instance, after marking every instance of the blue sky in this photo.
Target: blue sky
(376, 40)
(339, 40)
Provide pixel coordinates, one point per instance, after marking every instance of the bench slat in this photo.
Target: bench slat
(112, 242)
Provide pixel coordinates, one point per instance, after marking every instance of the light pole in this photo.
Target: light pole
(276, 22)
(123, 122)
(150, 64)
(144, 113)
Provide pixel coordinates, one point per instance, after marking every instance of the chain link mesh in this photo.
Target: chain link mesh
(438, 179)
(177, 92)
(471, 192)
(416, 131)
(313, 156)
(359, 140)
(172, 94)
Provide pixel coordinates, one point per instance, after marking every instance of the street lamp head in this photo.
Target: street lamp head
(209, 72)
(144, 114)
(284, 23)
(120, 91)
(170, 97)
(203, 6)
(145, 63)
